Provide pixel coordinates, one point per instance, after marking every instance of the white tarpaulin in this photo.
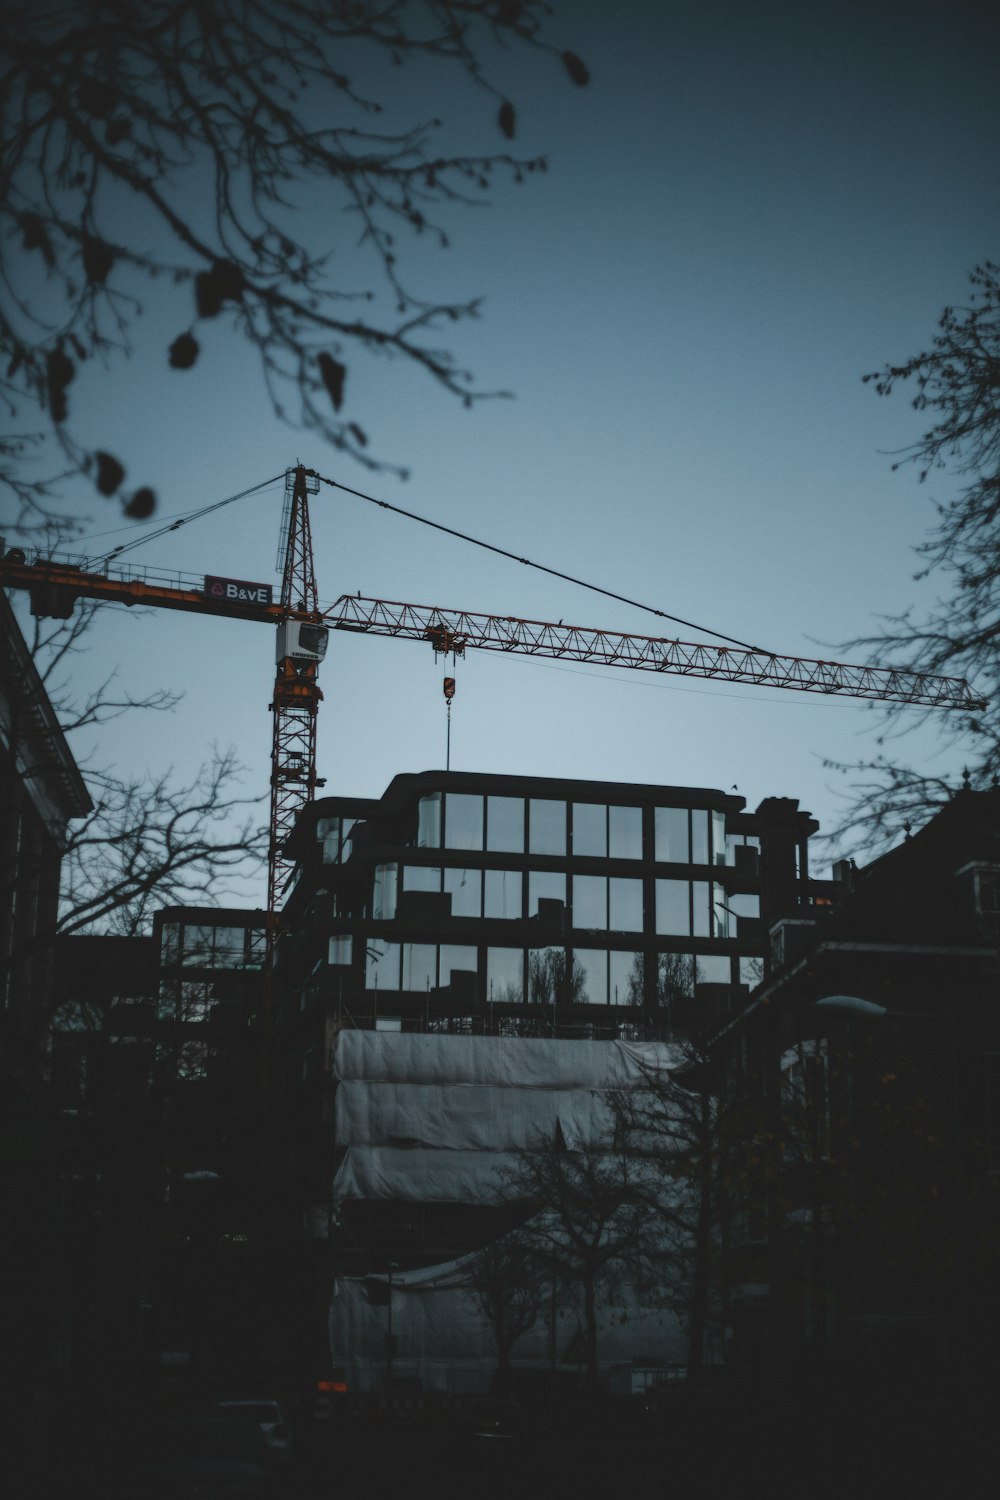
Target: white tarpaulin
(428, 1118)
(435, 1118)
(511, 1062)
(443, 1340)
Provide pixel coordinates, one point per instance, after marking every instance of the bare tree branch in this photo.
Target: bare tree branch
(957, 383)
(174, 143)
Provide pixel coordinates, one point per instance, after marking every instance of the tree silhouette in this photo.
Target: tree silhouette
(176, 143)
(957, 386)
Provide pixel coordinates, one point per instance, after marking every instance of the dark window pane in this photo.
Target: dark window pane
(674, 980)
(590, 829)
(465, 889)
(384, 892)
(718, 838)
(672, 843)
(673, 913)
(625, 832)
(590, 902)
(546, 976)
(713, 968)
(505, 824)
(627, 980)
(549, 885)
(381, 965)
(505, 976)
(460, 956)
(419, 966)
(593, 967)
(502, 896)
(699, 836)
(546, 827)
(702, 915)
(463, 821)
(429, 821)
(625, 904)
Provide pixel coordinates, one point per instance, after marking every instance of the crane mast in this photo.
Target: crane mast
(301, 645)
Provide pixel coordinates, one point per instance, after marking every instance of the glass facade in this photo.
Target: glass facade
(592, 892)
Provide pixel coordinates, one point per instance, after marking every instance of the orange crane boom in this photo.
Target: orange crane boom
(302, 627)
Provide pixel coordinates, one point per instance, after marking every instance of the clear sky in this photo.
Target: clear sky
(751, 206)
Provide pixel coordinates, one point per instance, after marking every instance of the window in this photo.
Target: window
(465, 888)
(169, 943)
(457, 957)
(546, 976)
(546, 827)
(673, 908)
(593, 966)
(626, 978)
(671, 835)
(503, 894)
(208, 947)
(718, 838)
(505, 825)
(751, 970)
(674, 981)
(381, 965)
(429, 821)
(590, 902)
(384, 892)
(712, 968)
(625, 832)
(419, 966)
(340, 950)
(624, 904)
(699, 836)
(463, 821)
(334, 834)
(505, 976)
(590, 830)
(545, 885)
(421, 877)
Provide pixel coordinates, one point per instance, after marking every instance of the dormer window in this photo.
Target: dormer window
(983, 883)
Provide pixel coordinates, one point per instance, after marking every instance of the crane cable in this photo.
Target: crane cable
(183, 520)
(541, 567)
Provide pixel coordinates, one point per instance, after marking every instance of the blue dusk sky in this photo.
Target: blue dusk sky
(752, 205)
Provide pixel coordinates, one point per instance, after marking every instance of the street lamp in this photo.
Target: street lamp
(851, 1005)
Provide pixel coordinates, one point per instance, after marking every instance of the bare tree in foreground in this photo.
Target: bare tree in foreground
(587, 1224)
(956, 386)
(169, 149)
(507, 1283)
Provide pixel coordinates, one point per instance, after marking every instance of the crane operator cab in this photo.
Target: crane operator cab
(300, 644)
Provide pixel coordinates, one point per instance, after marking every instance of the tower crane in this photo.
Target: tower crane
(303, 631)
